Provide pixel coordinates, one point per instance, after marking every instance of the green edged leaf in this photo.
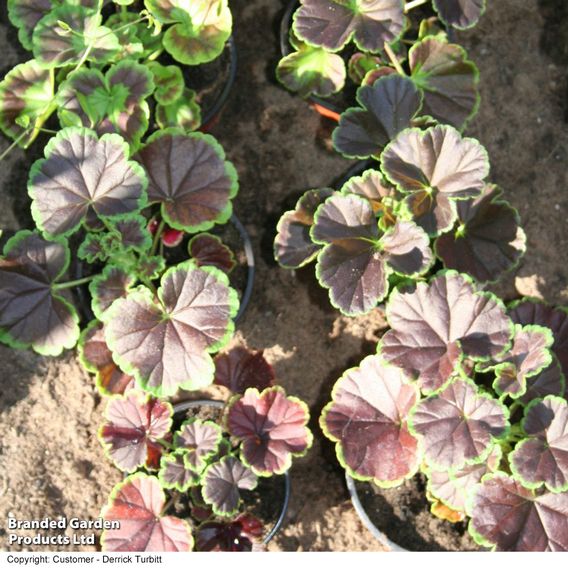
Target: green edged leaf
(113, 283)
(184, 113)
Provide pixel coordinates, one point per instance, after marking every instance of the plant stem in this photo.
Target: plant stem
(15, 142)
(157, 236)
(413, 4)
(72, 283)
(394, 59)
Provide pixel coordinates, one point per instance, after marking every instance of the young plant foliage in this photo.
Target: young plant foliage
(241, 368)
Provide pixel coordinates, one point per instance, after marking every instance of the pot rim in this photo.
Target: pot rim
(181, 406)
(379, 535)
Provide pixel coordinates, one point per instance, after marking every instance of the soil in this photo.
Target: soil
(403, 515)
(50, 461)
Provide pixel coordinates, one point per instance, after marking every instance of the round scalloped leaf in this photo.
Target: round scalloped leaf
(209, 250)
(33, 313)
(367, 417)
(356, 260)
(82, 36)
(240, 369)
(448, 80)
(96, 357)
(200, 32)
(81, 174)
(199, 441)
(293, 246)
(458, 426)
(433, 325)
(453, 489)
(549, 381)
(174, 473)
(388, 107)
(109, 103)
(134, 426)
(222, 481)
(137, 503)
(95, 247)
(542, 458)
(435, 167)
(312, 71)
(169, 82)
(272, 428)
(240, 535)
(528, 312)
(461, 14)
(487, 240)
(529, 354)
(183, 113)
(189, 176)
(330, 24)
(509, 517)
(131, 233)
(111, 284)
(165, 341)
(26, 94)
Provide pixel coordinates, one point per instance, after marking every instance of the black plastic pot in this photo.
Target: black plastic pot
(213, 114)
(81, 293)
(379, 535)
(325, 107)
(183, 406)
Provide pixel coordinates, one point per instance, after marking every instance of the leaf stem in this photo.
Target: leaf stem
(413, 4)
(157, 236)
(73, 283)
(171, 502)
(394, 59)
(15, 142)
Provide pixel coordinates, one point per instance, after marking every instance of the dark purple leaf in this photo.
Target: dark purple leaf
(331, 24)
(132, 233)
(209, 250)
(542, 458)
(241, 368)
(55, 46)
(293, 246)
(190, 177)
(461, 14)
(134, 426)
(199, 441)
(96, 357)
(528, 312)
(222, 481)
(272, 428)
(165, 344)
(137, 503)
(356, 260)
(26, 94)
(113, 283)
(82, 173)
(510, 517)
(549, 381)
(388, 108)
(487, 239)
(448, 80)
(435, 166)
(95, 247)
(33, 311)
(239, 535)
(367, 417)
(459, 425)
(453, 489)
(434, 325)
(372, 76)
(529, 354)
(175, 474)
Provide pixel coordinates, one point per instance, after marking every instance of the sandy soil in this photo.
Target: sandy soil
(50, 461)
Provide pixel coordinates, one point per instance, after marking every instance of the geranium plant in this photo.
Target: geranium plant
(333, 40)
(473, 394)
(204, 466)
(158, 312)
(429, 205)
(105, 66)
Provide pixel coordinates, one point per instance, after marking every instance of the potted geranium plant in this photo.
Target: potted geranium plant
(205, 463)
(332, 46)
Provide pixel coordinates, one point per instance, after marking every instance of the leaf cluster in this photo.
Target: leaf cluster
(202, 465)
